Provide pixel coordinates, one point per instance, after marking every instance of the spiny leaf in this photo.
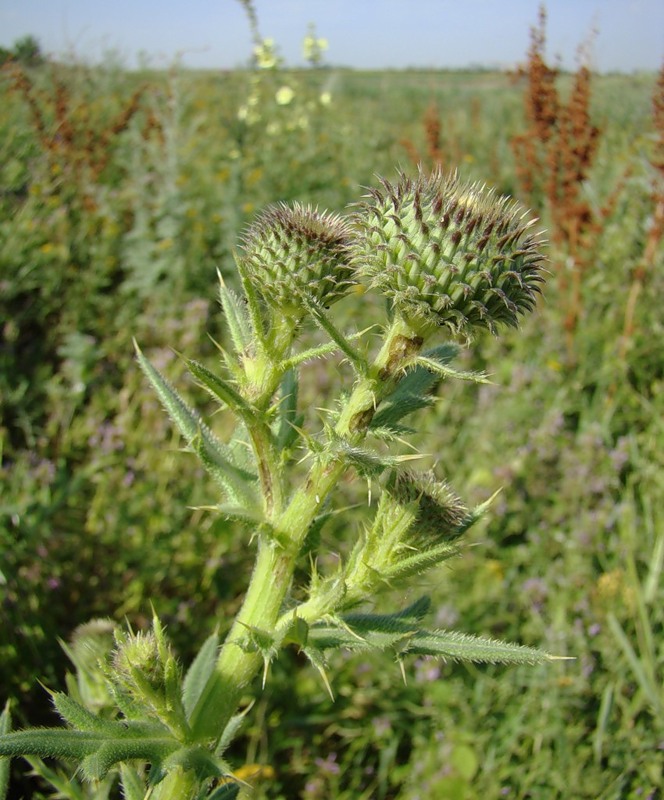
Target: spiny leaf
(80, 718)
(196, 758)
(254, 311)
(65, 787)
(367, 462)
(110, 752)
(216, 457)
(317, 658)
(236, 316)
(414, 390)
(373, 632)
(405, 566)
(321, 350)
(325, 323)
(332, 636)
(252, 516)
(50, 743)
(439, 368)
(391, 433)
(199, 672)
(96, 750)
(415, 611)
(310, 355)
(379, 623)
(221, 390)
(458, 646)
(231, 730)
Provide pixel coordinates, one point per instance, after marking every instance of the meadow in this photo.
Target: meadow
(122, 194)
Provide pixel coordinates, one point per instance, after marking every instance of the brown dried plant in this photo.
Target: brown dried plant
(436, 153)
(75, 135)
(554, 156)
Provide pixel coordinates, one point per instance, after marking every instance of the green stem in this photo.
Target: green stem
(238, 662)
(179, 784)
(237, 666)
(402, 344)
(263, 374)
(268, 468)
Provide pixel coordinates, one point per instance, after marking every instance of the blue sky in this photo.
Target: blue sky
(370, 34)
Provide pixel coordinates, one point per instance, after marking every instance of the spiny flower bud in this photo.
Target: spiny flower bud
(440, 514)
(295, 252)
(137, 661)
(447, 253)
(417, 522)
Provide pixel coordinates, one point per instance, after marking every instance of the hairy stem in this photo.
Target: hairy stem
(239, 661)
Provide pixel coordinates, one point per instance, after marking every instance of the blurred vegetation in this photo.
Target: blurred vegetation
(121, 194)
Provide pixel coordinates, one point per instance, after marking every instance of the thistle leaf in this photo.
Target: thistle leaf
(415, 611)
(414, 391)
(327, 637)
(325, 323)
(80, 718)
(458, 646)
(196, 758)
(236, 316)
(438, 368)
(198, 673)
(366, 462)
(96, 752)
(401, 633)
(216, 457)
(317, 658)
(419, 562)
(254, 311)
(110, 752)
(221, 390)
(252, 516)
(232, 729)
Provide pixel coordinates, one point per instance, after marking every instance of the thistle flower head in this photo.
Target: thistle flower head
(292, 253)
(448, 253)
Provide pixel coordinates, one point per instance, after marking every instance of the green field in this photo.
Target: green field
(121, 195)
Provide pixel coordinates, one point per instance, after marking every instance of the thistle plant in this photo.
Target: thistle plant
(449, 258)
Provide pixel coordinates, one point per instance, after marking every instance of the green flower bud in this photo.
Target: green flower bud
(417, 522)
(447, 253)
(439, 514)
(89, 649)
(138, 664)
(295, 253)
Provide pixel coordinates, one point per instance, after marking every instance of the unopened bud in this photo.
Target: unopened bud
(447, 253)
(292, 253)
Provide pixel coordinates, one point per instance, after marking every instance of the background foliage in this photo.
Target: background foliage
(122, 193)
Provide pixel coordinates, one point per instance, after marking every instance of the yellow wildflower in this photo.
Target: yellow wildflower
(284, 95)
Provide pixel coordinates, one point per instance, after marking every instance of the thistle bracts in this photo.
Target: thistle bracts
(416, 524)
(439, 514)
(294, 254)
(447, 253)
